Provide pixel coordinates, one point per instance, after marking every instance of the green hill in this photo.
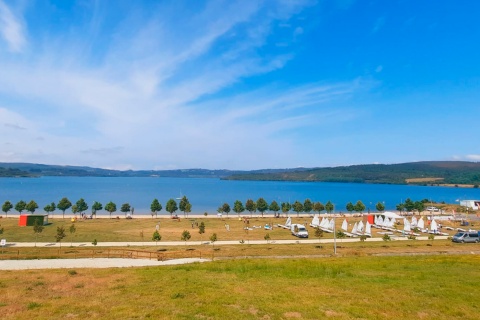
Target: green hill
(428, 172)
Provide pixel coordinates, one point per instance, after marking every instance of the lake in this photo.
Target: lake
(209, 194)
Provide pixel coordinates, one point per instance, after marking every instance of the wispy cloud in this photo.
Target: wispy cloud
(11, 29)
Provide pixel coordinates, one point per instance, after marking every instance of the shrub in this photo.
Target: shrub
(386, 237)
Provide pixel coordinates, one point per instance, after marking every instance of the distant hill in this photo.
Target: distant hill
(37, 170)
(427, 172)
(423, 173)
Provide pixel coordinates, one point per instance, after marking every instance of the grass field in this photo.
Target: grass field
(420, 287)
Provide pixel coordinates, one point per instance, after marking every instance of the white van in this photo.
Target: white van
(299, 230)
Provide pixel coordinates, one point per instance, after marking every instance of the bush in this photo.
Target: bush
(72, 272)
(386, 237)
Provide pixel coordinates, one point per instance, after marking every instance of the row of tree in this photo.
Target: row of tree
(184, 205)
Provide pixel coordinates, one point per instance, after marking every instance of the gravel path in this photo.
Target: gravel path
(89, 263)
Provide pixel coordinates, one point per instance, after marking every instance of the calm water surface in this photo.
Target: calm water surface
(209, 194)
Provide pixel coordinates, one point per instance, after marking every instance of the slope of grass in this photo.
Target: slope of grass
(427, 287)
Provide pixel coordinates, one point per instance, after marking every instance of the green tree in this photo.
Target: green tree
(419, 206)
(7, 206)
(226, 208)
(238, 207)
(380, 207)
(63, 205)
(251, 206)
(111, 207)
(31, 206)
(81, 205)
(183, 205)
(220, 209)
(318, 233)
(156, 237)
(359, 206)
(125, 208)
(409, 205)
(20, 206)
(186, 236)
(97, 206)
(50, 207)
(213, 238)
(307, 206)
(274, 207)
(37, 229)
(267, 237)
(318, 207)
(297, 207)
(60, 235)
(171, 206)
(262, 205)
(350, 207)
(329, 207)
(201, 229)
(72, 230)
(286, 206)
(155, 207)
(74, 209)
(400, 207)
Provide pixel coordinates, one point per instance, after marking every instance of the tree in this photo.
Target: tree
(226, 208)
(238, 207)
(20, 206)
(171, 206)
(72, 230)
(125, 208)
(97, 206)
(81, 205)
(318, 233)
(400, 207)
(155, 207)
(318, 207)
(267, 237)
(262, 205)
(37, 229)
(63, 205)
(350, 207)
(297, 207)
(186, 236)
(220, 209)
(329, 207)
(274, 207)
(50, 207)
(409, 205)
(156, 237)
(111, 207)
(183, 205)
(213, 238)
(307, 206)
(7, 206)
(188, 208)
(359, 206)
(60, 235)
(251, 206)
(201, 229)
(74, 209)
(286, 206)
(380, 207)
(419, 206)
(31, 206)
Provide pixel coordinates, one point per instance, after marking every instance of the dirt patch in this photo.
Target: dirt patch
(292, 314)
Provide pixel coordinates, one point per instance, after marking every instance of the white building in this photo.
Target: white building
(472, 204)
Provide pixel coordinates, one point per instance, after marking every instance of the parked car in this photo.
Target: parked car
(466, 237)
(434, 209)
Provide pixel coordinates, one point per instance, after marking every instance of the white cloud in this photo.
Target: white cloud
(473, 157)
(11, 29)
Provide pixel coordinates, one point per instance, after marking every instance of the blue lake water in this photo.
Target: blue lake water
(209, 194)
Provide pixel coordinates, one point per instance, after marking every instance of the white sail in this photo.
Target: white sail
(360, 227)
(434, 226)
(289, 222)
(414, 222)
(421, 224)
(354, 229)
(406, 226)
(331, 226)
(315, 221)
(380, 221)
(368, 229)
(324, 223)
(345, 225)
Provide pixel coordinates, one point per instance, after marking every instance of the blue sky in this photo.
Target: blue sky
(238, 84)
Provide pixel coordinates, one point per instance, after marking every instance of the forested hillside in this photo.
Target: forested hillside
(431, 172)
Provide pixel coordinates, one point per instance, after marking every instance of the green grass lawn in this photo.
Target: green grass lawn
(414, 287)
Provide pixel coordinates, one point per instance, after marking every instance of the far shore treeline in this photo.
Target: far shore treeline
(238, 207)
(419, 173)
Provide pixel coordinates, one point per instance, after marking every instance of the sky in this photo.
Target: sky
(238, 84)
